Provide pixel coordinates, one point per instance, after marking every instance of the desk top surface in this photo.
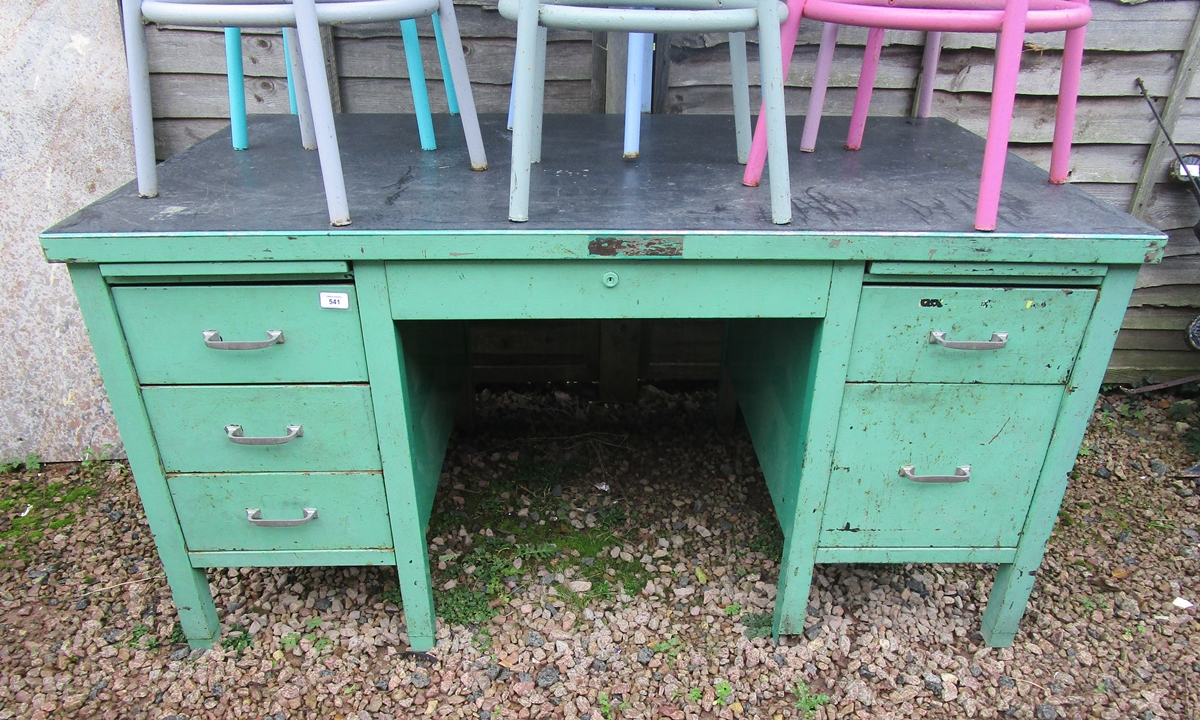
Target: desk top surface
(912, 178)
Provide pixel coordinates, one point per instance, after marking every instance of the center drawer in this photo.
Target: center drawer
(317, 511)
(263, 428)
(1012, 335)
(263, 333)
(1001, 432)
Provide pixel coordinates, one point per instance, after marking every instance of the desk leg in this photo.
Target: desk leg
(1014, 582)
(416, 371)
(789, 376)
(189, 586)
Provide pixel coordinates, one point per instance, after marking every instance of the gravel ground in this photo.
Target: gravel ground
(606, 562)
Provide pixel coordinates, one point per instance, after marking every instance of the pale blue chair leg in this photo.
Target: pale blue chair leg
(635, 69)
(648, 72)
(462, 86)
(309, 39)
(137, 64)
(237, 88)
(771, 64)
(523, 98)
(287, 67)
(512, 97)
(539, 96)
(741, 94)
(447, 80)
(308, 136)
(416, 80)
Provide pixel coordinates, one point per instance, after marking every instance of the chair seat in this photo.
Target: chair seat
(280, 13)
(946, 15)
(677, 15)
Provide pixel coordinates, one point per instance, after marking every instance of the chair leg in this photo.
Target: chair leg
(758, 147)
(866, 84)
(634, 66)
(299, 84)
(933, 51)
(741, 94)
(139, 99)
(1004, 91)
(539, 96)
(820, 83)
(462, 84)
(524, 79)
(309, 36)
(287, 69)
(512, 98)
(416, 81)
(235, 76)
(771, 68)
(447, 81)
(1068, 94)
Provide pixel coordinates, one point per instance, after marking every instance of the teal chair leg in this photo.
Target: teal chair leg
(237, 88)
(447, 80)
(287, 66)
(416, 79)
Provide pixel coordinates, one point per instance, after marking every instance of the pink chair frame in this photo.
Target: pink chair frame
(1010, 18)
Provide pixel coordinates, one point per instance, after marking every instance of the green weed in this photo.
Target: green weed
(724, 692)
(237, 639)
(807, 702)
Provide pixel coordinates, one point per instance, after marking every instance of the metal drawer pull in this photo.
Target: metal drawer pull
(212, 339)
(961, 474)
(998, 341)
(234, 433)
(254, 517)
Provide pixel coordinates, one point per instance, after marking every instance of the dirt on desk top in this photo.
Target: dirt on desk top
(604, 561)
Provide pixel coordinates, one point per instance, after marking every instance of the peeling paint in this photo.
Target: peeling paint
(636, 247)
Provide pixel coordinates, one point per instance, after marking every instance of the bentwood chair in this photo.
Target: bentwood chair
(1011, 19)
(305, 16)
(640, 16)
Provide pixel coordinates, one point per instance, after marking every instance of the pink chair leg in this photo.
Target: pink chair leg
(866, 83)
(1068, 93)
(1004, 92)
(758, 147)
(820, 83)
(933, 51)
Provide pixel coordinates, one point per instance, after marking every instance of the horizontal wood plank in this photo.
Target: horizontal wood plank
(1139, 318)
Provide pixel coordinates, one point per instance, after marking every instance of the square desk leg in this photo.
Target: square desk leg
(189, 585)
(1014, 581)
(789, 376)
(416, 371)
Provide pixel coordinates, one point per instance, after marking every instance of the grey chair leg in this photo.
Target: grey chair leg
(139, 99)
(539, 96)
(308, 136)
(771, 67)
(309, 35)
(741, 94)
(523, 91)
(462, 84)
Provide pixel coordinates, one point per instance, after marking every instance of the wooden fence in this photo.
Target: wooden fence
(585, 73)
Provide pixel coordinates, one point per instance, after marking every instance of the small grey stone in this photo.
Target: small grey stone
(524, 677)
(779, 660)
(323, 604)
(1123, 536)
(196, 654)
(1006, 681)
(726, 525)
(1104, 473)
(917, 586)
(381, 684)
(420, 679)
(534, 516)
(677, 525)
(180, 654)
(976, 671)
(599, 666)
(110, 636)
(588, 561)
(699, 506)
(547, 677)
(505, 674)
(492, 672)
(216, 689)
(326, 673)
(645, 655)
(96, 689)
(556, 491)
(814, 632)
(865, 671)
(534, 639)
(116, 515)
(933, 683)
(82, 604)
(1045, 711)
(1158, 467)
(547, 579)
(485, 715)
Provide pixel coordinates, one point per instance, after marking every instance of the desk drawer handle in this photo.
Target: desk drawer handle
(234, 433)
(212, 339)
(961, 474)
(998, 341)
(254, 517)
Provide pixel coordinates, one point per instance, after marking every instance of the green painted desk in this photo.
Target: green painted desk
(916, 391)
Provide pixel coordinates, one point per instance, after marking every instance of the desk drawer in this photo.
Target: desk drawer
(892, 338)
(1001, 431)
(336, 427)
(660, 288)
(165, 328)
(348, 511)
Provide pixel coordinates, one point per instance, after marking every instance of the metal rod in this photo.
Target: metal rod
(1141, 86)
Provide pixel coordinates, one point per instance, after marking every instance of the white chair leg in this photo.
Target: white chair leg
(648, 72)
(635, 67)
(462, 85)
(523, 107)
(539, 96)
(308, 136)
(771, 67)
(309, 36)
(820, 83)
(741, 94)
(137, 61)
